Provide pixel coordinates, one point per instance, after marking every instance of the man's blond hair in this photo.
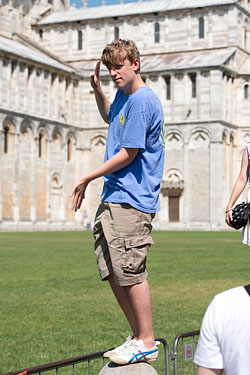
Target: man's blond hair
(118, 51)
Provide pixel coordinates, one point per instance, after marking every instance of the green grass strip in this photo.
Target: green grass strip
(54, 306)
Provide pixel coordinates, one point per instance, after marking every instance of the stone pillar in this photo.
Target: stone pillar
(216, 94)
(49, 172)
(7, 80)
(1, 171)
(53, 110)
(16, 207)
(141, 368)
(216, 185)
(34, 152)
(31, 96)
(186, 208)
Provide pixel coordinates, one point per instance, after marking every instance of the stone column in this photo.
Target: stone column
(1, 170)
(8, 78)
(62, 180)
(1, 74)
(216, 185)
(31, 97)
(34, 153)
(216, 94)
(13, 84)
(53, 96)
(140, 368)
(186, 209)
(48, 174)
(16, 207)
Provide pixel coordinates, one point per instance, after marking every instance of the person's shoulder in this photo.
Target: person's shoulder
(146, 91)
(147, 96)
(231, 295)
(225, 301)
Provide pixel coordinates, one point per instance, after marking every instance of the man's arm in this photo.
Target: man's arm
(120, 160)
(208, 371)
(102, 102)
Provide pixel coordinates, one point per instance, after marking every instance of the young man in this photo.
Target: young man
(132, 173)
(225, 335)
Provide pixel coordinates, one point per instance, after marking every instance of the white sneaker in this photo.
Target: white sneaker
(129, 339)
(134, 352)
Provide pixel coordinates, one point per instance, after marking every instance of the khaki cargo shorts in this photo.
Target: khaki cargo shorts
(122, 238)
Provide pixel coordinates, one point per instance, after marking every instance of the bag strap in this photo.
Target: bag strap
(247, 287)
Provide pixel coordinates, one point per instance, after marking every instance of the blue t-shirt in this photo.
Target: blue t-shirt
(136, 121)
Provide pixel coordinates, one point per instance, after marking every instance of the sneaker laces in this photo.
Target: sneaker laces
(128, 339)
(132, 347)
(127, 342)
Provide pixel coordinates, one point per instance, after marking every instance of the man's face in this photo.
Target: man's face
(123, 74)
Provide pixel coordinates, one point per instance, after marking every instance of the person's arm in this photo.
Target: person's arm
(102, 102)
(208, 371)
(120, 160)
(239, 186)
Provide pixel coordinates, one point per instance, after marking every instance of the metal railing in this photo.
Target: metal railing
(88, 359)
(189, 342)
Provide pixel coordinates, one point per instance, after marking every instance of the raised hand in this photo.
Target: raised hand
(95, 78)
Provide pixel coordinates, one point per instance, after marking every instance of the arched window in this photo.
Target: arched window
(192, 77)
(246, 91)
(41, 144)
(69, 150)
(5, 139)
(168, 87)
(41, 34)
(117, 32)
(201, 28)
(157, 32)
(79, 39)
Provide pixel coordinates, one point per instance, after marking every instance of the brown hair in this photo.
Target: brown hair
(120, 50)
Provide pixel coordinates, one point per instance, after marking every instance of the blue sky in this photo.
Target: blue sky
(92, 3)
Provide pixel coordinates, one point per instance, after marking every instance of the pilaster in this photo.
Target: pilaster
(216, 185)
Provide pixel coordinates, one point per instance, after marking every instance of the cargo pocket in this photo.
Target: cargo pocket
(135, 254)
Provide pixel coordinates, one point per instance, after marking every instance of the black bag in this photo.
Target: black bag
(240, 215)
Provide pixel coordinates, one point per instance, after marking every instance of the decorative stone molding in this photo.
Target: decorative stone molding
(174, 141)
(179, 76)
(173, 181)
(199, 139)
(205, 74)
(153, 78)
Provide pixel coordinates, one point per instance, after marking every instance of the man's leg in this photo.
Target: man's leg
(121, 294)
(141, 304)
(135, 302)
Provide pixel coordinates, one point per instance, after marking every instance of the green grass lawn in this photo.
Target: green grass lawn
(54, 306)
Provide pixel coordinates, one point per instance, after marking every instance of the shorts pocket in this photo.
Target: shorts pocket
(135, 254)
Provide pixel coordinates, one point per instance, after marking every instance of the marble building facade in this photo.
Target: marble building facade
(194, 55)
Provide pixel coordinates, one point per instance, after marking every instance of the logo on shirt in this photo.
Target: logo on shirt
(122, 120)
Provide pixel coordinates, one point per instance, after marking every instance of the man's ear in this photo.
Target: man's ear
(136, 65)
